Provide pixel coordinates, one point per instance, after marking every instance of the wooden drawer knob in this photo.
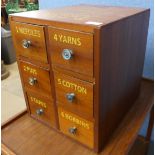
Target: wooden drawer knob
(32, 81)
(39, 111)
(72, 130)
(67, 54)
(70, 97)
(26, 43)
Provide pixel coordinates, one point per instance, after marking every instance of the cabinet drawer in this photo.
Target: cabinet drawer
(76, 127)
(72, 50)
(29, 41)
(41, 108)
(74, 94)
(35, 78)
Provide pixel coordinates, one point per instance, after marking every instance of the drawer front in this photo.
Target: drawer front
(76, 127)
(29, 41)
(72, 50)
(74, 94)
(41, 108)
(35, 78)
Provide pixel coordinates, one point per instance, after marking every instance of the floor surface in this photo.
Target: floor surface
(12, 99)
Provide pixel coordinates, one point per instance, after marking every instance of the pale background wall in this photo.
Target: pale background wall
(149, 58)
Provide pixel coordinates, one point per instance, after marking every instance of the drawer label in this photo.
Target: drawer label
(67, 39)
(75, 120)
(37, 101)
(73, 86)
(27, 31)
(30, 70)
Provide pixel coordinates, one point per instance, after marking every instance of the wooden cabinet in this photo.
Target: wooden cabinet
(81, 67)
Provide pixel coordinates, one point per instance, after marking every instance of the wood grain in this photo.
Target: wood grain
(128, 130)
(43, 84)
(108, 61)
(77, 16)
(150, 125)
(83, 134)
(37, 102)
(82, 105)
(51, 78)
(122, 54)
(6, 151)
(74, 74)
(34, 62)
(82, 61)
(140, 147)
(12, 119)
(97, 67)
(26, 133)
(37, 49)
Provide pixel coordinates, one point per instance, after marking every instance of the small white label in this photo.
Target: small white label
(93, 23)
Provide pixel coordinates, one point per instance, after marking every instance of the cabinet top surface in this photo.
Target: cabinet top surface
(90, 15)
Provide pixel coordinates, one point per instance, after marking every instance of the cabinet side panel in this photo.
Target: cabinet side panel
(97, 58)
(122, 58)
